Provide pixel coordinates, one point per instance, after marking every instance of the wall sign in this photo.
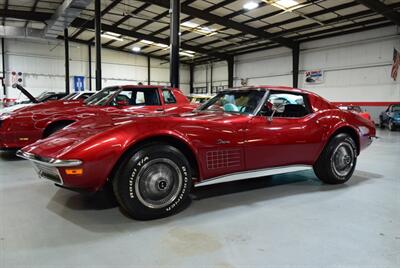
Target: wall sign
(79, 83)
(314, 77)
(17, 78)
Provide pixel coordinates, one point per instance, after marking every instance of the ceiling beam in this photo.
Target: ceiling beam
(32, 10)
(197, 13)
(109, 28)
(329, 22)
(382, 9)
(103, 12)
(25, 15)
(80, 41)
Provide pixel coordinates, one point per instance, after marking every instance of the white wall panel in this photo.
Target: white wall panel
(43, 66)
(356, 66)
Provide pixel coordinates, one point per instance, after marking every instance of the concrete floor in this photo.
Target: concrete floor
(282, 221)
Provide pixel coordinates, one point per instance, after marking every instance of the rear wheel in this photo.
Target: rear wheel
(338, 160)
(154, 182)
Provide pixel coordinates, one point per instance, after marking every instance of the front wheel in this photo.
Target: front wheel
(154, 182)
(338, 160)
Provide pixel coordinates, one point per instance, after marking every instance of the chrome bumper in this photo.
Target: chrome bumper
(48, 161)
(47, 168)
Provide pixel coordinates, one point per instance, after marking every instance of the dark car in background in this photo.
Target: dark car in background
(390, 117)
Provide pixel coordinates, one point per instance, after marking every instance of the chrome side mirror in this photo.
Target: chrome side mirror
(276, 108)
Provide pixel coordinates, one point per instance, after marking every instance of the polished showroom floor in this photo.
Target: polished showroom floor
(281, 221)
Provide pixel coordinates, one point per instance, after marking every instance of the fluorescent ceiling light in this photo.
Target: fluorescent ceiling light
(147, 42)
(287, 3)
(198, 29)
(185, 53)
(136, 49)
(112, 36)
(190, 24)
(250, 5)
(161, 45)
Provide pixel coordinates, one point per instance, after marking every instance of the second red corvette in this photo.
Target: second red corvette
(27, 125)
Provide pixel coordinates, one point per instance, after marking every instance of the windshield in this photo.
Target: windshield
(396, 108)
(116, 96)
(42, 97)
(239, 102)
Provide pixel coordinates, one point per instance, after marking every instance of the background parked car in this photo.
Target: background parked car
(27, 125)
(390, 117)
(44, 97)
(356, 109)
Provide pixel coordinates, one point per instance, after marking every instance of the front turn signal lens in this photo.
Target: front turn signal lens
(74, 171)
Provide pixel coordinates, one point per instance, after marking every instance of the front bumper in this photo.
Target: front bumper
(49, 168)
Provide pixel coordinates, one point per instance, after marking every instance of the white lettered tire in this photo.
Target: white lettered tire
(154, 182)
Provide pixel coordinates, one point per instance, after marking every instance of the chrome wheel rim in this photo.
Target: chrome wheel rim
(158, 183)
(343, 159)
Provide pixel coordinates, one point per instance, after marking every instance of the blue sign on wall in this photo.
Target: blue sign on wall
(79, 83)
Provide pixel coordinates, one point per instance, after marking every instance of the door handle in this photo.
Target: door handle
(160, 110)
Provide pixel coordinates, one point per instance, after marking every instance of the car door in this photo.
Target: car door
(289, 138)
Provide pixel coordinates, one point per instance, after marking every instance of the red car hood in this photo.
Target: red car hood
(50, 105)
(64, 141)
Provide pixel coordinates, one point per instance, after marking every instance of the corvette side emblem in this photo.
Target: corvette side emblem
(219, 141)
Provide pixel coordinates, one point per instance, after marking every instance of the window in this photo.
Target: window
(296, 105)
(396, 108)
(168, 97)
(116, 96)
(239, 101)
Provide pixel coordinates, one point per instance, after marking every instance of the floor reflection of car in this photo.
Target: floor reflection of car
(151, 162)
(391, 117)
(356, 109)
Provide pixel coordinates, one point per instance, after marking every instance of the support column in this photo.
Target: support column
(211, 78)
(90, 66)
(191, 77)
(66, 46)
(174, 42)
(231, 64)
(206, 78)
(296, 61)
(97, 20)
(148, 70)
(3, 60)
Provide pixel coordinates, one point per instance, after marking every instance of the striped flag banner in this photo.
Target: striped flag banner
(396, 64)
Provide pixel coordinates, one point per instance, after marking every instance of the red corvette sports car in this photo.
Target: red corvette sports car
(27, 125)
(152, 162)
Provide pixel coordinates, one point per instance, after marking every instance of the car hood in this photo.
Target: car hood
(64, 141)
(13, 108)
(46, 106)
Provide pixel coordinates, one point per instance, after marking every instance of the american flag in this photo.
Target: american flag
(396, 64)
